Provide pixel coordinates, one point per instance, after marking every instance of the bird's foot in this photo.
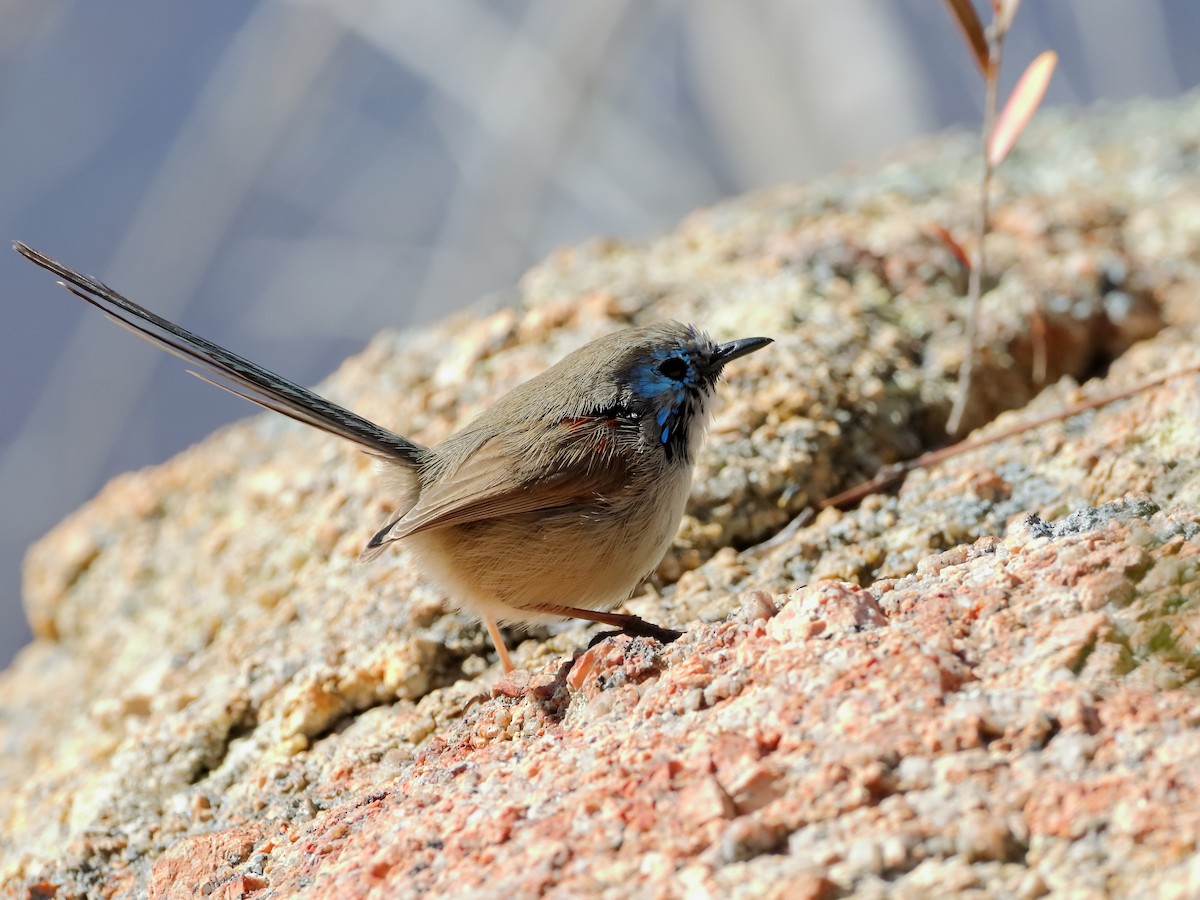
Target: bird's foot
(635, 626)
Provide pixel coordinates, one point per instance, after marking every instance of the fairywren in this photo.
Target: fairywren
(555, 502)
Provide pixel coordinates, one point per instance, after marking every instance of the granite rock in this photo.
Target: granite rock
(983, 683)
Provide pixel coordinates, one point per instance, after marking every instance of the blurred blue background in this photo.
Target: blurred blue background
(287, 178)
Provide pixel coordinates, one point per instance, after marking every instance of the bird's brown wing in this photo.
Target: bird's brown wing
(497, 481)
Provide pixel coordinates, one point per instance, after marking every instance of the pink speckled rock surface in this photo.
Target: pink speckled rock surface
(985, 683)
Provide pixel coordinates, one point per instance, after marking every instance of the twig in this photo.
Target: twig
(889, 475)
(975, 279)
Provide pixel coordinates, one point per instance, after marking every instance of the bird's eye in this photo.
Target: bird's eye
(674, 368)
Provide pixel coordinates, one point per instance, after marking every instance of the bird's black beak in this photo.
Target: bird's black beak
(734, 349)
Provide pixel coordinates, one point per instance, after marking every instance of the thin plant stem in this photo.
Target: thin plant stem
(891, 474)
(975, 279)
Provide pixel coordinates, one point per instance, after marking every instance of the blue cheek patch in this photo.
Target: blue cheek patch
(666, 414)
(650, 384)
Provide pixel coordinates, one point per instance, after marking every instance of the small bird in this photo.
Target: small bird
(554, 503)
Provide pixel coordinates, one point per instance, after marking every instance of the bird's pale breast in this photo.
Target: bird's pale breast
(590, 556)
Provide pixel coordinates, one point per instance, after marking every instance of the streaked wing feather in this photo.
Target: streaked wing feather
(489, 485)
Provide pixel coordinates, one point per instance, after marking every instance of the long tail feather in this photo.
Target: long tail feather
(246, 379)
